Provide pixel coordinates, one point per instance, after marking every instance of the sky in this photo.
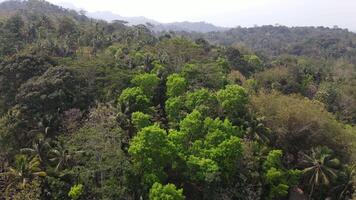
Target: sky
(231, 13)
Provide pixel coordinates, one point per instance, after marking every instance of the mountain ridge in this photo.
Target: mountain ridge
(188, 26)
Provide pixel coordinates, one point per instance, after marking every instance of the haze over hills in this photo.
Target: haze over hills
(158, 26)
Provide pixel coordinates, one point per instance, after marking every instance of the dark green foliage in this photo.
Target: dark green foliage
(16, 71)
(136, 114)
(147, 82)
(43, 98)
(11, 39)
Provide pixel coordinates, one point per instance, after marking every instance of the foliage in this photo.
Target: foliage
(233, 100)
(277, 177)
(134, 114)
(320, 169)
(165, 192)
(151, 152)
(76, 191)
(140, 120)
(176, 85)
(147, 82)
(133, 99)
(298, 123)
(95, 155)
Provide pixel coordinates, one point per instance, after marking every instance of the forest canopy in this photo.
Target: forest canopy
(91, 109)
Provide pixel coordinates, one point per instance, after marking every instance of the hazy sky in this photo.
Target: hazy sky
(232, 12)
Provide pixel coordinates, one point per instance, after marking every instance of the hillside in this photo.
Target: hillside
(317, 42)
(91, 109)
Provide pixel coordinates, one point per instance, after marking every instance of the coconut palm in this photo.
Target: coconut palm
(23, 171)
(61, 156)
(319, 167)
(347, 185)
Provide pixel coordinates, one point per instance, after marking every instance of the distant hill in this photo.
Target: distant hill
(42, 7)
(202, 27)
(109, 16)
(317, 42)
(38, 7)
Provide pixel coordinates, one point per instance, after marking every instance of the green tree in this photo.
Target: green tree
(209, 75)
(320, 169)
(97, 155)
(277, 178)
(147, 82)
(140, 120)
(176, 85)
(192, 125)
(133, 99)
(165, 192)
(151, 152)
(233, 100)
(174, 108)
(202, 100)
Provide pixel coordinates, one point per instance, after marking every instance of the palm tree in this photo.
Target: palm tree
(39, 148)
(319, 167)
(23, 171)
(61, 156)
(348, 180)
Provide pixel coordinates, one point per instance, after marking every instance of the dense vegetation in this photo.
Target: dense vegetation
(98, 110)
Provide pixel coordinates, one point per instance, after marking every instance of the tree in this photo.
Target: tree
(133, 99)
(24, 170)
(60, 155)
(192, 125)
(176, 85)
(11, 36)
(233, 100)
(151, 152)
(39, 149)
(97, 155)
(174, 108)
(297, 123)
(319, 168)
(210, 75)
(202, 100)
(236, 60)
(345, 184)
(165, 192)
(147, 82)
(43, 99)
(16, 71)
(210, 148)
(140, 120)
(277, 178)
